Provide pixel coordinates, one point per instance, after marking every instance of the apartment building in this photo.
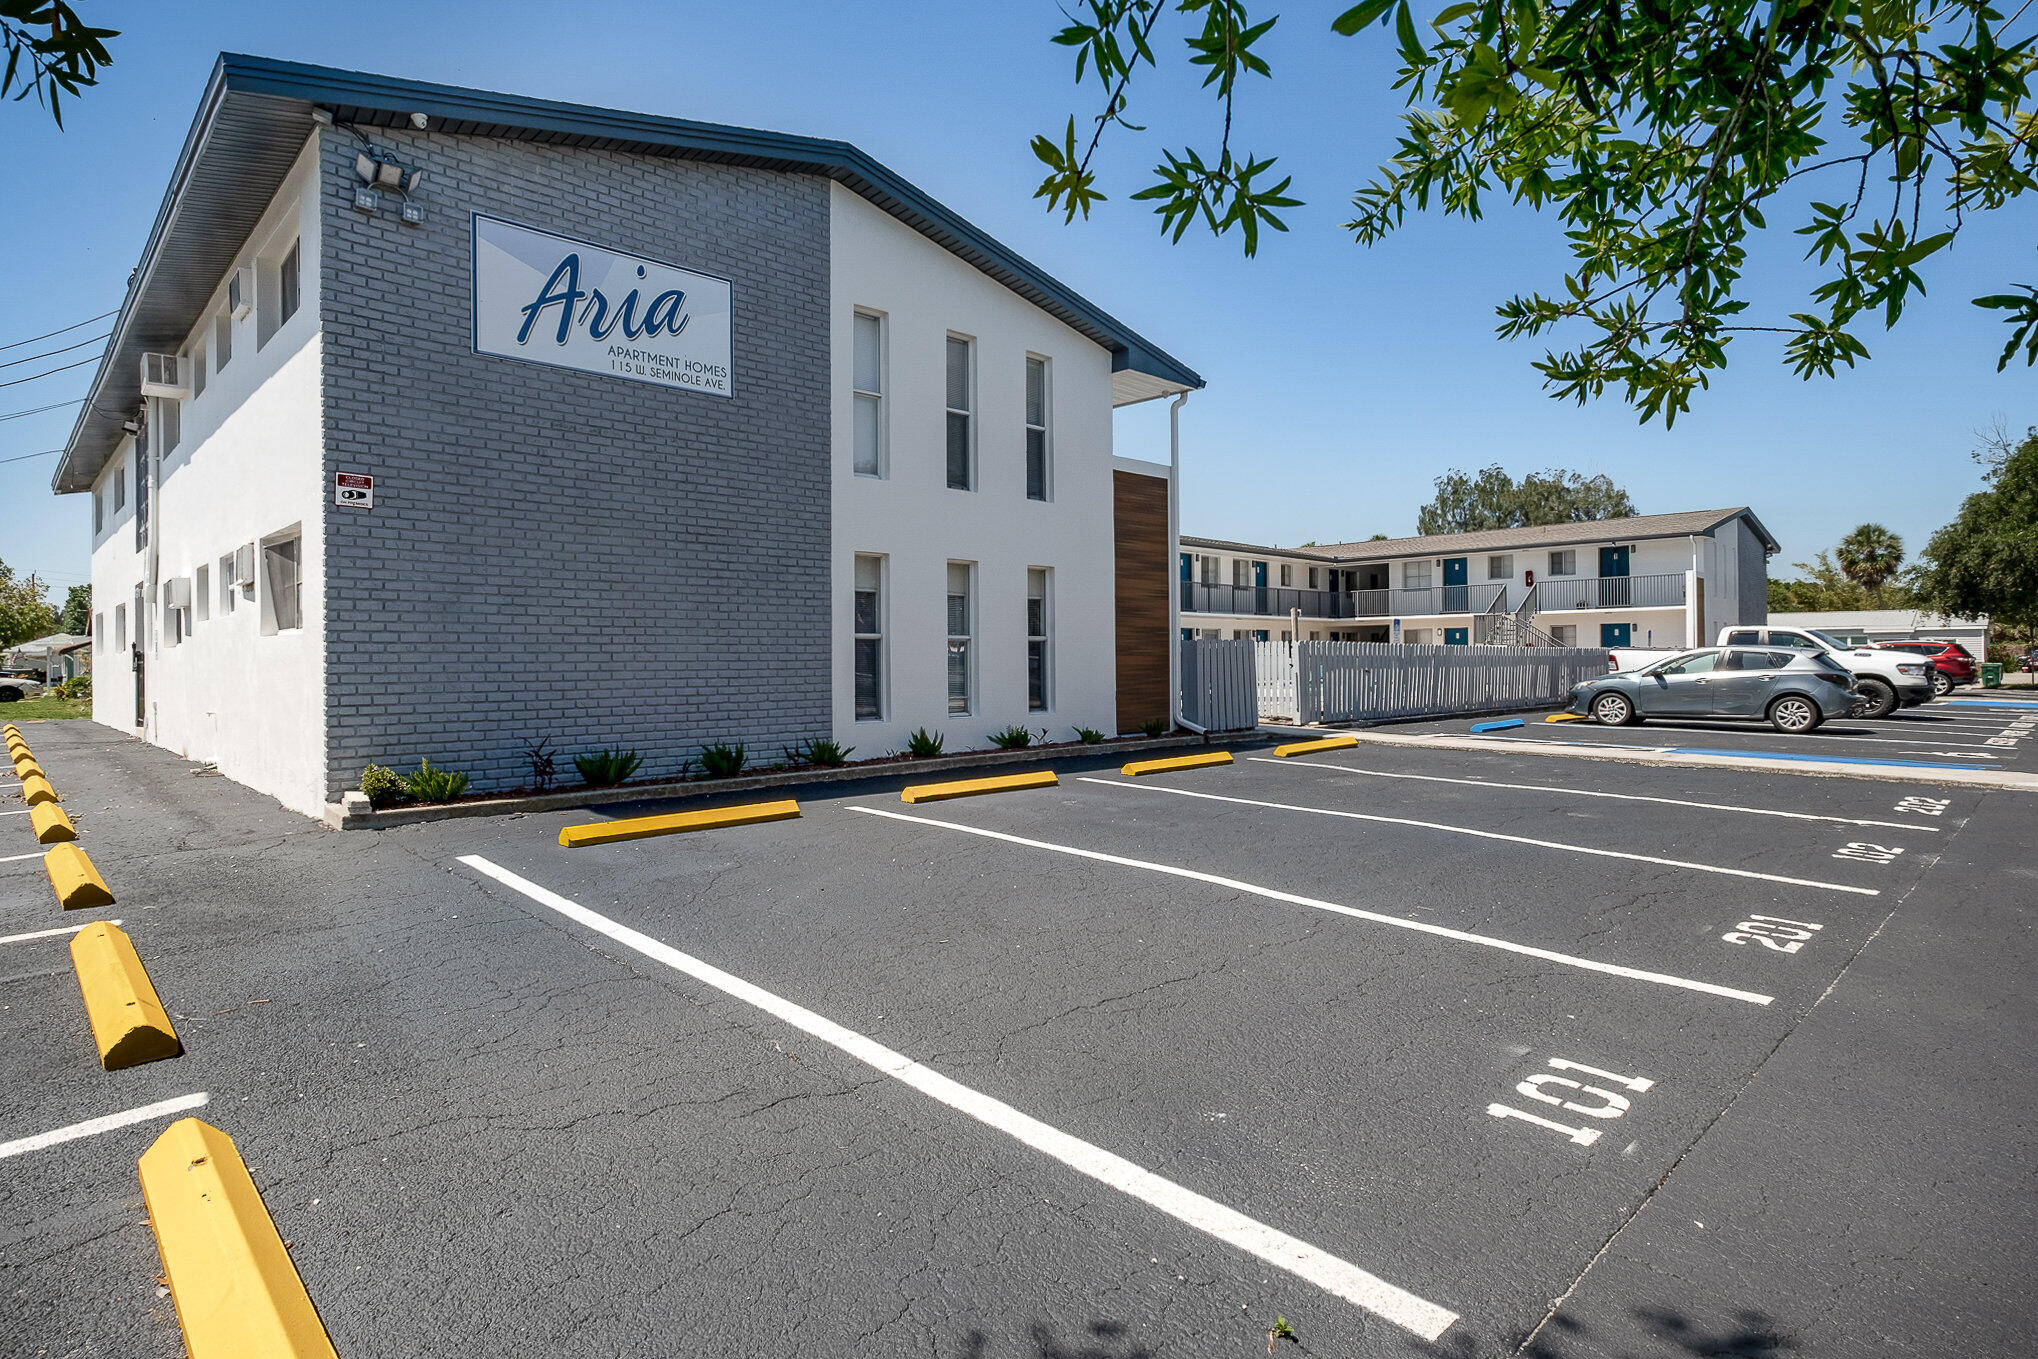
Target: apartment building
(439, 421)
(1663, 580)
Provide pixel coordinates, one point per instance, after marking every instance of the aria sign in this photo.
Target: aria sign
(571, 304)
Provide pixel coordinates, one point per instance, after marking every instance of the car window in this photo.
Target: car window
(1792, 640)
(1697, 663)
(1744, 637)
(1779, 659)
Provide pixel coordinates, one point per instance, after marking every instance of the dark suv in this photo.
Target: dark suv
(1952, 664)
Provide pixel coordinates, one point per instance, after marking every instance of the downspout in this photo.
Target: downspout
(1175, 718)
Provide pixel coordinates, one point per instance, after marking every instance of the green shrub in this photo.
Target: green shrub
(434, 785)
(828, 754)
(720, 760)
(384, 787)
(1089, 736)
(78, 686)
(1154, 728)
(606, 768)
(544, 764)
(1014, 737)
(924, 743)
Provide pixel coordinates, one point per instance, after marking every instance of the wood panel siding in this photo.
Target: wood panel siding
(1140, 535)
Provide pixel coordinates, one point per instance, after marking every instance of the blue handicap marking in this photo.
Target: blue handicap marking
(1497, 726)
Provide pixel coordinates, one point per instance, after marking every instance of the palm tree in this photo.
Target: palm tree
(1869, 556)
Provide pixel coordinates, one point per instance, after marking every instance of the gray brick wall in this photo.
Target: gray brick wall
(562, 554)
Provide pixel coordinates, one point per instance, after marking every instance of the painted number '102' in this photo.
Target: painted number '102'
(1770, 931)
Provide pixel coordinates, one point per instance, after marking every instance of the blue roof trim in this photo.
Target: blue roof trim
(352, 93)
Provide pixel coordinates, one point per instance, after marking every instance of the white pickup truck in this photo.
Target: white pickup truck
(1887, 679)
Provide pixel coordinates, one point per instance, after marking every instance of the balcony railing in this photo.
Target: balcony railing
(1275, 602)
(1556, 593)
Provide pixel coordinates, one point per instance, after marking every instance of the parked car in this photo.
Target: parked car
(1793, 690)
(1952, 664)
(1886, 680)
(14, 688)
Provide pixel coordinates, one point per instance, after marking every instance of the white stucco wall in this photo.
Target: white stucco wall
(246, 467)
(913, 520)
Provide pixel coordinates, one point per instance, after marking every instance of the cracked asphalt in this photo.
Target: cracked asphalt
(487, 1129)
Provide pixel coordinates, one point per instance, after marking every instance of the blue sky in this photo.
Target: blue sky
(1343, 380)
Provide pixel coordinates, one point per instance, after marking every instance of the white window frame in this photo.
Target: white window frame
(1569, 556)
(968, 413)
(289, 283)
(860, 395)
(1043, 638)
(98, 632)
(98, 511)
(1500, 566)
(1415, 575)
(875, 634)
(201, 592)
(1287, 575)
(120, 627)
(272, 618)
(229, 596)
(1315, 577)
(120, 486)
(222, 340)
(1045, 428)
(1564, 634)
(966, 639)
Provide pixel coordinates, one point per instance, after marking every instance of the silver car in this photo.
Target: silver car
(1794, 691)
(14, 688)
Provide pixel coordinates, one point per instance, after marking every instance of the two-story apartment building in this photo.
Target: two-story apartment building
(1663, 580)
(438, 422)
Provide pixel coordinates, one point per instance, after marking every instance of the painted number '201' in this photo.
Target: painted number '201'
(1774, 932)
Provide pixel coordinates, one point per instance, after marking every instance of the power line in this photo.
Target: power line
(48, 372)
(52, 353)
(24, 457)
(54, 405)
(33, 338)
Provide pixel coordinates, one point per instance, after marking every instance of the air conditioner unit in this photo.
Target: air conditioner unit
(163, 376)
(244, 564)
(240, 293)
(177, 593)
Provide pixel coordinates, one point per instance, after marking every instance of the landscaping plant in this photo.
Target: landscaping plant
(544, 765)
(924, 744)
(828, 754)
(1154, 728)
(721, 760)
(1089, 736)
(383, 787)
(434, 785)
(606, 768)
(1014, 737)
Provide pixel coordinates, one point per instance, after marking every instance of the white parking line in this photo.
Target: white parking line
(1921, 739)
(104, 1123)
(23, 812)
(1345, 1280)
(44, 934)
(1271, 894)
(1496, 835)
(17, 858)
(1587, 792)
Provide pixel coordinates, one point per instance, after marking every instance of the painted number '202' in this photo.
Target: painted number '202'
(1773, 932)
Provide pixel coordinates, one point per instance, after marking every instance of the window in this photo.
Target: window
(960, 617)
(120, 627)
(141, 504)
(1038, 655)
(174, 626)
(172, 422)
(961, 428)
(201, 594)
(120, 487)
(870, 638)
(1036, 429)
(1312, 577)
(1208, 566)
(868, 382)
(98, 632)
(222, 341)
(1287, 574)
(196, 358)
(282, 577)
(1416, 637)
(1415, 575)
(1241, 572)
(1564, 563)
(1500, 567)
(287, 285)
(1743, 637)
(1697, 663)
(228, 596)
(98, 512)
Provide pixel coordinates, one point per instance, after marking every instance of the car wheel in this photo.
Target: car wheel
(1942, 684)
(1794, 715)
(10, 695)
(1877, 699)
(1613, 710)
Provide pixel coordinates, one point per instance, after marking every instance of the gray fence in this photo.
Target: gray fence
(1358, 681)
(1218, 690)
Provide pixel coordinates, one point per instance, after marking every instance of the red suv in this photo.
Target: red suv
(1952, 663)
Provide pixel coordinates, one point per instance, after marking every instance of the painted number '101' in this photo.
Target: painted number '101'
(1866, 853)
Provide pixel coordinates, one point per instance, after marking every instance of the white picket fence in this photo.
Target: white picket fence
(1367, 681)
(1217, 684)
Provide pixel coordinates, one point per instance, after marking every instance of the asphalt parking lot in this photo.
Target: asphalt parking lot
(1423, 1051)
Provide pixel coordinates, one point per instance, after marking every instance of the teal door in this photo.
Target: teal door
(1613, 634)
(1456, 596)
(1614, 590)
(1455, 637)
(1185, 566)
